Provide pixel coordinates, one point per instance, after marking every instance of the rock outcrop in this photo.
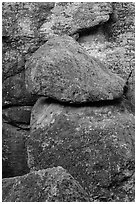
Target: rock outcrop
(68, 98)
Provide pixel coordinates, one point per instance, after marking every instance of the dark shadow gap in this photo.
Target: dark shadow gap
(114, 102)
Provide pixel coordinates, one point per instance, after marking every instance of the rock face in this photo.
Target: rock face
(14, 154)
(96, 145)
(62, 70)
(50, 185)
(68, 97)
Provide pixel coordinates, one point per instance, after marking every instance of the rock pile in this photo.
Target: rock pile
(68, 112)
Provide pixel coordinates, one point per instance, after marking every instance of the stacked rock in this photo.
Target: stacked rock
(68, 132)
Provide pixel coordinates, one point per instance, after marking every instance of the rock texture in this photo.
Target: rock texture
(50, 185)
(113, 42)
(14, 91)
(68, 98)
(95, 144)
(70, 18)
(62, 70)
(20, 25)
(14, 152)
(17, 114)
(130, 92)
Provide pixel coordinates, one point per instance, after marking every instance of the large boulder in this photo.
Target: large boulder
(14, 152)
(47, 185)
(62, 70)
(95, 144)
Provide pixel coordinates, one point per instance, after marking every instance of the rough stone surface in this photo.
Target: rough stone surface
(95, 144)
(14, 153)
(62, 70)
(14, 91)
(20, 30)
(80, 55)
(17, 114)
(50, 185)
(113, 42)
(70, 18)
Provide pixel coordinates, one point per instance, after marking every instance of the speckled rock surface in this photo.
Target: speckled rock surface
(71, 17)
(62, 70)
(20, 31)
(14, 91)
(14, 153)
(95, 144)
(114, 41)
(50, 185)
(81, 57)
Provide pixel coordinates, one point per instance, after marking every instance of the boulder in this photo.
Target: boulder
(47, 185)
(14, 91)
(14, 153)
(62, 70)
(17, 114)
(95, 144)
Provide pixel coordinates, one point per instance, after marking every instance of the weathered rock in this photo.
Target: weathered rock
(72, 17)
(14, 153)
(124, 192)
(16, 52)
(20, 23)
(14, 91)
(17, 114)
(62, 70)
(113, 42)
(50, 185)
(95, 144)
